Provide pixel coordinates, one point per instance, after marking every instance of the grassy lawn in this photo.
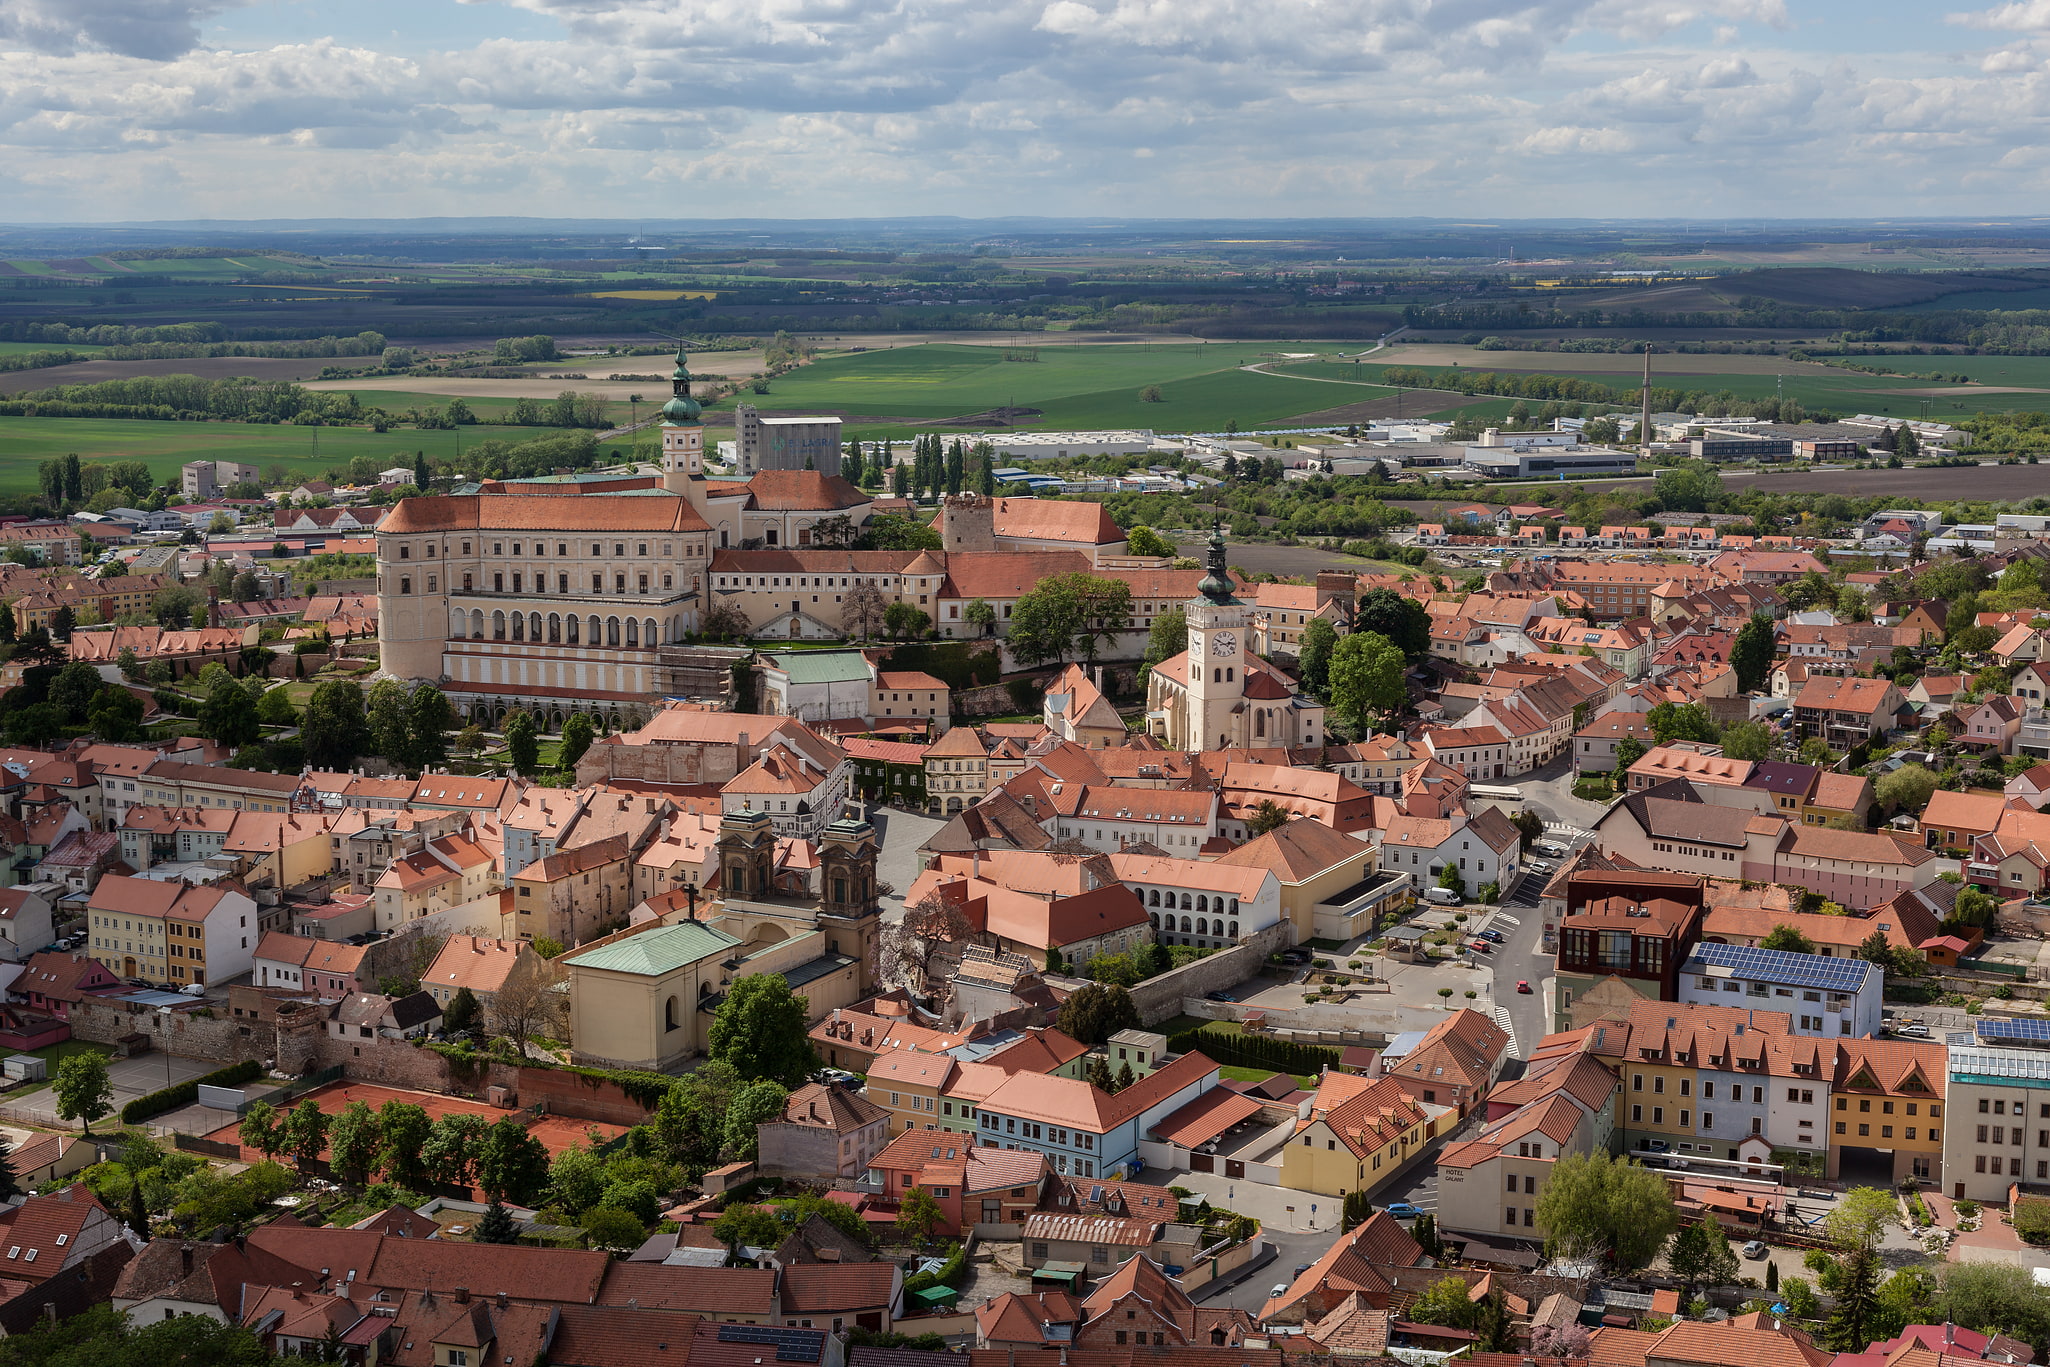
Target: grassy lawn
(165, 446)
(17, 348)
(55, 1053)
(1237, 1074)
(1176, 1026)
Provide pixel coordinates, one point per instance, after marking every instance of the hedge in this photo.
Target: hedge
(185, 1093)
(952, 1273)
(1255, 1051)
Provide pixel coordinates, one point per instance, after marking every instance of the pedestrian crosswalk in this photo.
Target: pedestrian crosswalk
(1501, 1015)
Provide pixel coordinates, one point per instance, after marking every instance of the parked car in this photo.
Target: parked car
(1301, 1268)
(1219, 997)
(1277, 1291)
(1479, 946)
(1755, 1249)
(1550, 849)
(1912, 1031)
(1494, 937)
(1403, 1210)
(1522, 986)
(1442, 897)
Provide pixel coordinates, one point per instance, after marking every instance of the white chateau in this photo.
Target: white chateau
(550, 597)
(1219, 695)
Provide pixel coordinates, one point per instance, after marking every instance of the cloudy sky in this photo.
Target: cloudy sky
(144, 109)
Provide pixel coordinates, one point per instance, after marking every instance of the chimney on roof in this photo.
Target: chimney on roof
(185, 1260)
(462, 1295)
(502, 1300)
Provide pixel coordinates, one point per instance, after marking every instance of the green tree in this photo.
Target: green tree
(1366, 679)
(353, 1142)
(1907, 1297)
(1067, 614)
(760, 1030)
(1700, 1255)
(1629, 750)
(513, 1165)
(522, 745)
(403, 1129)
(449, 1154)
(752, 1106)
(610, 1227)
(463, 1012)
(1598, 1205)
(305, 1134)
(980, 615)
(228, 716)
(918, 1215)
(1319, 639)
(261, 1130)
(1682, 721)
(1859, 1219)
(115, 715)
(334, 730)
(74, 689)
(577, 735)
(389, 719)
(1396, 618)
(1168, 636)
(429, 719)
(1993, 1298)
(275, 708)
(1268, 816)
(1146, 541)
(1747, 740)
(747, 1226)
(576, 1179)
(1448, 1302)
(1855, 1290)
(1096, 1011)
(84, 1090)
(497, 1226)
(1787, 939)
(1906, 789)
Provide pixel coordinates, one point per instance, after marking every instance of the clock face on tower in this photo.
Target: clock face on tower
(1224, 643)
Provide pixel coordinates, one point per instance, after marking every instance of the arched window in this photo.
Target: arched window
(1187, 904)
(612, 631)
(1259, 721)
(1234, 906)
(534, 626)
(477, 624)
(633, 631)
(1217, 676)
(498, 626)
(648, 636)
(555, 628)
(1202, 902)
(596, 635)
(571, 623)
(1153, 900)
(1234, 930)
(669, 1014)
(1185, 924)
(1202, 925)
(1231, 676)
(519, 626)
(1156, 920)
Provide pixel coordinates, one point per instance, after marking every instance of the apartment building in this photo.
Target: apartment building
(171, 932)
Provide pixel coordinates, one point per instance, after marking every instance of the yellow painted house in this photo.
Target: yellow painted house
(1360, 1132)
(1886, 1109)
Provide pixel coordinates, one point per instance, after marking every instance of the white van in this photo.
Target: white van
(1444, 897)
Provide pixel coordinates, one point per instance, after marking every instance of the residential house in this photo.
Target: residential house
(825, 1132)
(1081, 1129)
(1360, 1132)
(973, 1185)
(172, 932)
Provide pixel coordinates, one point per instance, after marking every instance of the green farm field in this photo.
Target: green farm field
(26, 442)
(1843, 391)
(1202, 387)
(19, 348)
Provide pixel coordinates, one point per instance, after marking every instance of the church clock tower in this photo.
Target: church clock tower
(1217, 657)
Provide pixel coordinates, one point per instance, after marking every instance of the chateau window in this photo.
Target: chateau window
(562, 583)
(619, 583)
(431, 581)
(406, 584)
(466, 548)
(405, 552)
(561, 548)
(467, 583)
(498, 548)
(642, 550)
(619, 549)
(597, 583)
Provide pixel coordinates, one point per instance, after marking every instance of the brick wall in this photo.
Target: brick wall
(219, 1037)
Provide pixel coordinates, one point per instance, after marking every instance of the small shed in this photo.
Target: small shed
(1068, 1275)
(26, 1068)
(935, 1298)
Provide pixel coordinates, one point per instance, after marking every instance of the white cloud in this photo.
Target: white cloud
(807, 107)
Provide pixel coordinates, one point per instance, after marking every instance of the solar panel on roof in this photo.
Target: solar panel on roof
(2036, 1030)
(1794, 970)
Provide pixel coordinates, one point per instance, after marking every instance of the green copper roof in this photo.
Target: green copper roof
(822, 666)
(655, 952)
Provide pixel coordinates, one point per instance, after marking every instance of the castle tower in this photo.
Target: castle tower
(1217, 658)
(683, 438)
(747, 855)
(848, 912)
(968, 522)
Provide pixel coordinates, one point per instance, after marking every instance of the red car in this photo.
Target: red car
(1522, 986)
